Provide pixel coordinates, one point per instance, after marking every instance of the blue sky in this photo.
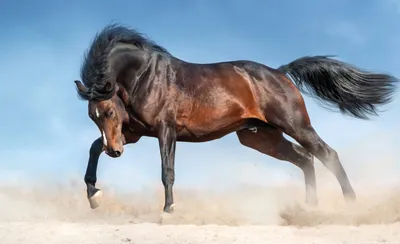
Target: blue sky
(46, 132)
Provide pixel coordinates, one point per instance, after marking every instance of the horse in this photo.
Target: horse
(135, 87)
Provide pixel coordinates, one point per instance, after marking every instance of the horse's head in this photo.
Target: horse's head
(108, 115)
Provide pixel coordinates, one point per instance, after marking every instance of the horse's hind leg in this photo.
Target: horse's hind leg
(270, 141)
(309, 139)
(299, 127)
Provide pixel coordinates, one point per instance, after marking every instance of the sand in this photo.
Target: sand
(63, 232)
(246, 214)
(45, 212)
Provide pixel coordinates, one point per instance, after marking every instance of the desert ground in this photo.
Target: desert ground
(44, 211)
(245, 214)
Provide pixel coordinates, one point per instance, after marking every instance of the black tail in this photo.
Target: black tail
(352, 90)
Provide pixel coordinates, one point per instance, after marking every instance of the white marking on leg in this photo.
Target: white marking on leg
(104, 138)
(97, 113)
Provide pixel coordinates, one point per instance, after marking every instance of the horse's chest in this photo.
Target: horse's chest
(139, 119)
(146, 114)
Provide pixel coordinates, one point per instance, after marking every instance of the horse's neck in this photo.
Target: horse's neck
(144, 73)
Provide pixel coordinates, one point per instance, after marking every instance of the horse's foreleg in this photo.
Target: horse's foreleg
(93, 194)
(167, 143)
(271, 142)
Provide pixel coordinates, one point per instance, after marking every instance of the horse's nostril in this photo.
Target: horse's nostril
(114, 153)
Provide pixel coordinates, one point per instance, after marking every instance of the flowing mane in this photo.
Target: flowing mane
(94, 70)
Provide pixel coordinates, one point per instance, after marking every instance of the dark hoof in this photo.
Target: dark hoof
(169, 209)
(94, 196)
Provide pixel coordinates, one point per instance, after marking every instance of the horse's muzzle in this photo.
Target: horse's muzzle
(114, 152)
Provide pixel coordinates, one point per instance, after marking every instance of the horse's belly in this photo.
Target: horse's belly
(202, 135)
(209, 124)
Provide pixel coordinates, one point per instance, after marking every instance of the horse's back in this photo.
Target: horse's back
(249, 88)
(217, 95)
(246, 81)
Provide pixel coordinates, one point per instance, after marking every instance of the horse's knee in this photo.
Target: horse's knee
(97, 147)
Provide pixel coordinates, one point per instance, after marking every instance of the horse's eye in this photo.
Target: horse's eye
(110, 113)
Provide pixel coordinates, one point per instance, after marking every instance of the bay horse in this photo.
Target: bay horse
(136, 88)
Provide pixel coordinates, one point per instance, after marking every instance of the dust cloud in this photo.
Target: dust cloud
(378, 200)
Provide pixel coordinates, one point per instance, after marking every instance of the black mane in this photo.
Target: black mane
(94, 70)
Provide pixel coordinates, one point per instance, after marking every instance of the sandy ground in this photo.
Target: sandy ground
(254, 214)
(62, 232)
(246, 214)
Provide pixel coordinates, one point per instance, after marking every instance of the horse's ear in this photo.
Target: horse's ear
(80, 86)
(123, 94)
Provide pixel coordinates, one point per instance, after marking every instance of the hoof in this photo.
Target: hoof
(350, 199)
(312, 202)
(167, 215)
(95, 200)
(169, 209)
(165, 218)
